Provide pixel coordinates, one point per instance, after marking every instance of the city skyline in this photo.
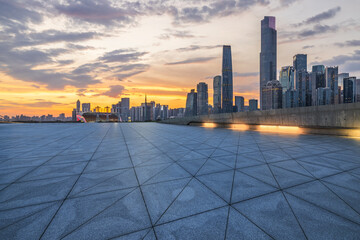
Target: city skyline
(45, 67)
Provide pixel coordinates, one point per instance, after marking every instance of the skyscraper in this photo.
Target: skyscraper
(341, 77)
(253, 104)
(217, 94)
(86, 107)
(239, 103)
(317, 81)
(349, 84)
(331, 76)
(125, 109)
(267, 54)
(272, 94)
(287, 82)
(304, 88)
(191, 103)
(202, 99)
(300, 62)
(227, 81)
(78, 106)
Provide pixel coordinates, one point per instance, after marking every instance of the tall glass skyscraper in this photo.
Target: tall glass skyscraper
(227, 81)
(191, 103)
(317, 81)
(331, 76)
(217, 94)
(349, 89)
(202, 99)
(300, 62)
(267, 54)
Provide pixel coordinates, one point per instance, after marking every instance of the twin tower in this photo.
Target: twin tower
(223, 88)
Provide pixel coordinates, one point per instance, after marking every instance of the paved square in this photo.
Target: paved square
(158, 181)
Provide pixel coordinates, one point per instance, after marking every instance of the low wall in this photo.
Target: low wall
(328, 116)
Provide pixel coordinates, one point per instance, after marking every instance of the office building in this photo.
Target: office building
(304, 88)
(217, 94)
(267, 54)
(73, 114)
(341, 77)
(239, 103)
(86, 107)
(317, 81)
(286, 77)
(78, 106)
(227, 81)
(253, 104)
(291, 98)
(191, 103)
(300, 62)
(331, 78)
(202, 99)
(349, 91)
(323, 96)
(273, 95)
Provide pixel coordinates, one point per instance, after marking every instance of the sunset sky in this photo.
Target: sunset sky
(54, 52)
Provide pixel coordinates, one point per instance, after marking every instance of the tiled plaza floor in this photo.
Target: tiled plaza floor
(157, 181)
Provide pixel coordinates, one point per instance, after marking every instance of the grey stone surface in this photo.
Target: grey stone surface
(159, 181)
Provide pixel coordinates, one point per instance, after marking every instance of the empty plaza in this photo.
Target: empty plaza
(160, 181)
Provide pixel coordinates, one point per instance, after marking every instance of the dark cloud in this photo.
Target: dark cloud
(65, 62)
(51, 36)
(122, 55)
(121, 13)
(308, 46)
(79, 47)
(197, 47)
(316, 30)
(286, 3)
(192, 60)
(341, 59)
(42, 104)
(331, 13)
(350, 43)
(170, 33)
(114, 91)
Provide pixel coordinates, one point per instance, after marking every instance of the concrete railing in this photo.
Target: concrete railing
(328, 116)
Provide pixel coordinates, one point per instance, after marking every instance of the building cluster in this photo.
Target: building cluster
(43, 118)
(298, 87)
(151, 111)
(121, 112)
(197, 101)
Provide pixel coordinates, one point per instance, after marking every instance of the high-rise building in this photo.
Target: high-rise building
(304, 88)
(217, 94)
(349, 84)
(286, 77)
(273, 95)
(73, 115)
(341, 77)
(267, 54)
(125, 109)
(227, 81)
(202, 99)
(323, 96)
(78, 106)
(253, 104)
(357, 97)
(291, 99)
(86, 107)
(331, 76)
(239, 103)
(300, 62)
(317, 81)
(191, 103)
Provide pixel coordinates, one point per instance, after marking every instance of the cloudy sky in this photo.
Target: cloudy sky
(53, 52)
